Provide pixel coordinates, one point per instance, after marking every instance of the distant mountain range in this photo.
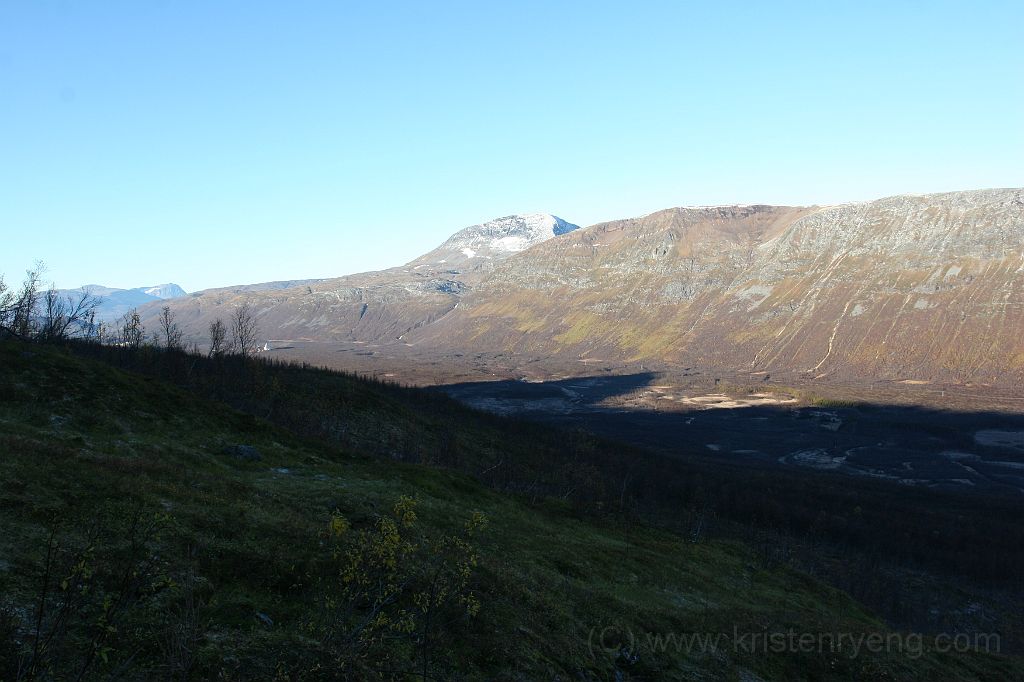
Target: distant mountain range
(911, 288)
(116, 302)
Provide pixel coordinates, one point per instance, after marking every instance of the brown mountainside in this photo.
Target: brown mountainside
(918, 288)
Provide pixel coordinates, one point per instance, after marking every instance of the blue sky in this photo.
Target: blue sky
(219, 143)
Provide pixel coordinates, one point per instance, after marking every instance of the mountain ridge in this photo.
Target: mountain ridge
(114, 302)
(856, 290)
(383, 304)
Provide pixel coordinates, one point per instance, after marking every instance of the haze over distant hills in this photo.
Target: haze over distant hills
(912, 287)
(116, 302)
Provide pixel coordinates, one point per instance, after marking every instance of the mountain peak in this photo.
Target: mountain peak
(496, 239)
(169, 290)
(114, 302)
(513, 233)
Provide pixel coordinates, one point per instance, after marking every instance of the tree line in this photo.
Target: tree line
(32, 312)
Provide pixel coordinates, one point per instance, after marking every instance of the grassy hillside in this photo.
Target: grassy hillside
(174, 552)
(837, 527)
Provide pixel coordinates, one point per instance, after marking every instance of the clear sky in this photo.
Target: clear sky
(216, 143)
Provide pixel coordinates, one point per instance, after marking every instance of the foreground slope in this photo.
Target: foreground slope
(246, 545)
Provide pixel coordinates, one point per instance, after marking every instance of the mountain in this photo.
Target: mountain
(164, 291)
(116, 302)
(375, 306)
(482, 245)
(915, 288)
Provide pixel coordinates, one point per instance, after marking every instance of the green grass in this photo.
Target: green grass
(79, 439)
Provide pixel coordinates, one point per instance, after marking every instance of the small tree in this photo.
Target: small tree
(48, 316)
(170, 330)
(63, 316)
(132, 331)
(18, 311)
(5, 300)
(103, 332)
(92, 330)
(391, 592)
(90, 590)
(54, 313)
(244, 329)
(218, 336)
(28, 300)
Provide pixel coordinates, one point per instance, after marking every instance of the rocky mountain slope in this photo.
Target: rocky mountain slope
(915, 288)
(907, 288)
(375, 306)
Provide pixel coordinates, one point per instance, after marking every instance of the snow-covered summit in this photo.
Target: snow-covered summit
(496, 239)
(164, 291)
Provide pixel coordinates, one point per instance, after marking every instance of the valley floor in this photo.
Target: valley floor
(965, 437)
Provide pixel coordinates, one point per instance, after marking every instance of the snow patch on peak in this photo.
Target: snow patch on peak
(165, 291)
(535, 224)
(499, 238)
(510, 234)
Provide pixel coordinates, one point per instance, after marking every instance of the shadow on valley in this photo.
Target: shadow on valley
(563, 396)
(871, 497)
(965, 452)
(823, 488)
